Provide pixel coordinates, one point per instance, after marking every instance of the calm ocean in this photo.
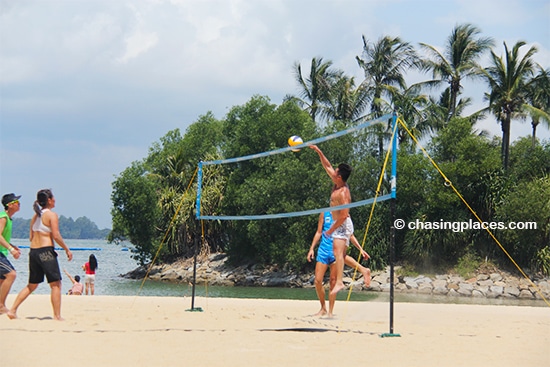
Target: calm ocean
(114, 260)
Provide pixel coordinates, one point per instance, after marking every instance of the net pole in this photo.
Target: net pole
(194, 274)
(193, 308)
(392, 240)
(392, 255)
(198, 206)
(393, 204)
(195, 240)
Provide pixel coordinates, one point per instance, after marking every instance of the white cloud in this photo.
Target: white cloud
(94, 40)
(140, 40)
(137, 44)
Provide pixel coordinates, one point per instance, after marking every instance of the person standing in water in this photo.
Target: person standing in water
(89, 279)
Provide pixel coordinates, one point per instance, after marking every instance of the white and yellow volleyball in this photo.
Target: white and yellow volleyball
(295, 140)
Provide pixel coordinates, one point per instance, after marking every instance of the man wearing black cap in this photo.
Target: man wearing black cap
(7, 271)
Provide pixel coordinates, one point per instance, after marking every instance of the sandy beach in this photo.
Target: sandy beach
(163, 331)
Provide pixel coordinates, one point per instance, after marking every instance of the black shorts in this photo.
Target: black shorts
(43, 261)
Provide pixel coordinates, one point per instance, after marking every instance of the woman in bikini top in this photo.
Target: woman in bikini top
(45, 224)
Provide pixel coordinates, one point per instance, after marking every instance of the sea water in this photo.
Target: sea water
(116, 260)
(113, 260)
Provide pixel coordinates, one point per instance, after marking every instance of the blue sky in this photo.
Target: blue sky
(87, 86)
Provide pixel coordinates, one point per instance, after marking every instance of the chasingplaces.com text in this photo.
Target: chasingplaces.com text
(462, 226)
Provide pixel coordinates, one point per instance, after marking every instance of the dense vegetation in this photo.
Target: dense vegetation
(502, 181)
(81, 228)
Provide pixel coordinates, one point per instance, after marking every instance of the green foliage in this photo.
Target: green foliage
(407, 270)
(528, 162)
(467, 265)
(529, 201)
(154, 200)
(154, 203)
(135, 211)
(377, 240)
(466, 159)
(509, 80)
(542, 261)
(176, 194)
(274, 184)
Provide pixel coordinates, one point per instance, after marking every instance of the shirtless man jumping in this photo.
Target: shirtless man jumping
(342, 227)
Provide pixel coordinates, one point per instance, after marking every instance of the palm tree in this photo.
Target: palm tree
(346, 102)
(437, 112)
(458, 61)
(315, 88)
(413, 107)
(508, 81)
(539, 101)
(384, 64)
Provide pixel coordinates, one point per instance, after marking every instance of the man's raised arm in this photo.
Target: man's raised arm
(325, 162)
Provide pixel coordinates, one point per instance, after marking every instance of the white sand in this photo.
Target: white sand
(160, 331)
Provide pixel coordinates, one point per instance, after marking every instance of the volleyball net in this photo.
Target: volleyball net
(360, 126)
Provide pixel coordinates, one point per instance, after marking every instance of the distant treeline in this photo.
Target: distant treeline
(81, 228)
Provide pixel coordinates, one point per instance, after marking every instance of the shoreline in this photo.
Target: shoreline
(139, 331)
(489, 283)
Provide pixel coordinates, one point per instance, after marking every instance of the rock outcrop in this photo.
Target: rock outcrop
(213, 270)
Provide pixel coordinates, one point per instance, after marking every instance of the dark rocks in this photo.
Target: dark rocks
(214, 271)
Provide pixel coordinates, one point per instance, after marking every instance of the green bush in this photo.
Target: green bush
(467, 265)
(542, 261)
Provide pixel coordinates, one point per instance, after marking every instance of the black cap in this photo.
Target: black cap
(8, 198)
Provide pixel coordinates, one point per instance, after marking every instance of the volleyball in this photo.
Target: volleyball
(295, 140)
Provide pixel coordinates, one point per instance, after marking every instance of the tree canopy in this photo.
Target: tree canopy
(154, 199)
